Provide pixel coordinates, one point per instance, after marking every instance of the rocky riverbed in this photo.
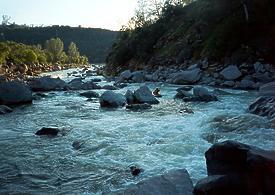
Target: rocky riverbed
(90, 140)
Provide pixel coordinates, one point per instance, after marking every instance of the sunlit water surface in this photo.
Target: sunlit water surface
(157, 140)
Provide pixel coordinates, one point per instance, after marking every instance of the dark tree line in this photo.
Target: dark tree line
(91, 42)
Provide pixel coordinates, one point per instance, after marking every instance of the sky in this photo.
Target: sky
(108, 14)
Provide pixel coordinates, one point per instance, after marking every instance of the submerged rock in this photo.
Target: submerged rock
(47, 84)
(112, 100)
(5, 109)
(136, 107)
(15, 92)
(109, 87)
(50, 131)
(135, 170)
(176, 182)
(144, 95)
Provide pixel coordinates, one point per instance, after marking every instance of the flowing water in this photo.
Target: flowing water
(109, 141)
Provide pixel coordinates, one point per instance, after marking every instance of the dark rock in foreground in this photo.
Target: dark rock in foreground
(49, 131)
(14, 92)
(5, 109)
(176, 182)
(236, 168)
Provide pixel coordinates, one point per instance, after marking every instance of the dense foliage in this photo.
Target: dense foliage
(230, 31)
(19, 53)
(94, 43)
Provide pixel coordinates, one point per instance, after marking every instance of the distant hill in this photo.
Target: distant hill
(93, 42)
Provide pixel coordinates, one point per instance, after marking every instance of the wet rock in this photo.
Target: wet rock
(186, 111)
(89, 94)
(176, 182)
(263, 106)
(76, 84)
(120, 85)
(77, 145)
(219, 184)
(112, 100)
(240, 123)
(5, 109)
(267, 89)
(130, 98)
(253, 168)
(186, 77)
(185, 88)
(228, 84)
(124, 76)
(137, 107)
(15, 92)
(135, 170)
(109, 87)
(259, 67)
(231, 73)
(183, 94)
(138, 77)
(49, 131)
(47, 84)
(95, 80)
(246, 84)
(144, 95)
(90, 85)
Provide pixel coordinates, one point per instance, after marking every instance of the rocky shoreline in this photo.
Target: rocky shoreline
(253, 167)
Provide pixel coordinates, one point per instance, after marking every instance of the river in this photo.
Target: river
(156, 140)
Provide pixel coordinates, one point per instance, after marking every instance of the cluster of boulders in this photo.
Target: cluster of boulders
(140, 99)
(245, 76)
(198, 94)
(236, 168)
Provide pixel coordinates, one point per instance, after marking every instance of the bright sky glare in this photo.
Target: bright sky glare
(108, 14)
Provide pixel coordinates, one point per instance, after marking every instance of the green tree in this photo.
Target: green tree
(54, 48)
(4, 51)
(73, 53)
(29, 56)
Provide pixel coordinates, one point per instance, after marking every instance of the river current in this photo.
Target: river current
(110, 141)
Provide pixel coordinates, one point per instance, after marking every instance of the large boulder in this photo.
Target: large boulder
(244, 166)
(112, 100)
(231, 73)
(187, 77)
(47, 84)
(15, 92)
(144, 95)
(176, 182)
(268, 89)
(48, 131)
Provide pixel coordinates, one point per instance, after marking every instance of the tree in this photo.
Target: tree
(5, 19)
(73, 53)
(54, 48)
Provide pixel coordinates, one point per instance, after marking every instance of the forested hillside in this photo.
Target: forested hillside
(223, 31)
(92, 42)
